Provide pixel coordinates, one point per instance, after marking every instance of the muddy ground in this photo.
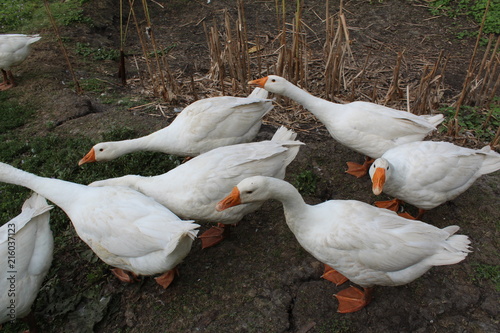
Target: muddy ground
(260, 280)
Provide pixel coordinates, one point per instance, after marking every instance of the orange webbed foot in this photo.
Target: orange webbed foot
(124, 276)
(214, 235)
(4, 86)
(393, 204)
(359, 170)
(334, 276)
(353, 299)
(167, 278)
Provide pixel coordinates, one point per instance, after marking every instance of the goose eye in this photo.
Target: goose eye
(102, 149)
(273, 80)
(387, 167)
(374, 166)
(249, 192)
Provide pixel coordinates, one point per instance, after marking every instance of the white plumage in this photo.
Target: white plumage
(203, 125)
(192, 189)
(367, 128)
(26, 247)
(368, 245)
(426, 174)
(14, 49)
(125, 228)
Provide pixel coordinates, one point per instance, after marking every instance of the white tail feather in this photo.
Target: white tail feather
(284, 134)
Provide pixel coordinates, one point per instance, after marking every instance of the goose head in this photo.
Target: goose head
(272, 83)
(104, 151)
(379, 172)
(252, 189)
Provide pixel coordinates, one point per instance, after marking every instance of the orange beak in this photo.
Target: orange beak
(259, 82)
(90, 157)
(378, 181)
(233, 199)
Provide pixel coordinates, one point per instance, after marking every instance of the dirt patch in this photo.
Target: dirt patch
(260, 280)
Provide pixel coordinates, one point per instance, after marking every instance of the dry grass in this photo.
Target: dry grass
(334, 74)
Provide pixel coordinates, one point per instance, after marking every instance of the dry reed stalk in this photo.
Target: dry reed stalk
(243, 46)
(490, 98)
(482, 68)
(217, 68)
(143, 44)
(122, 73)
(394, 92)
(78, 89)
(428, 90)
(167, 92)
(280, 62)
(231, 55)
(485, 79)
(230, 50)
(337, 50)
(496, 140)
(296, 62)
(453, 126)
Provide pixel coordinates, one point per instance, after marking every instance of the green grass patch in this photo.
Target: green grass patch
(14, 115)
(54, 156)
(484, 272)
(473, 9)
(306, 182)
(93, 53)
(26, 16)
(93, 85)
(473, 121)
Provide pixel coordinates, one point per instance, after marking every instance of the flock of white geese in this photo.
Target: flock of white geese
(146, 225)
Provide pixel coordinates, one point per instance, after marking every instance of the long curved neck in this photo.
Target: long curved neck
(133, 181)
(160, 140)
(58, 191)
(294, 205)
(317, 106)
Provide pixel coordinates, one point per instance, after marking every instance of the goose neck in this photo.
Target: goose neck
(55, 190)
(314, 104)
(294, 205)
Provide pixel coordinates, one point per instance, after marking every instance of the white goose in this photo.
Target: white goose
(125, 228)
(426, 174)
(365, 127)
(26, 246)
(203, 125)
(192, 189)
(14, 49)
(365, 244)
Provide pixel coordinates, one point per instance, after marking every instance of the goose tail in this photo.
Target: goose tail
(34, 38)
(491, 162)
(434, 120)
(455, 249)
(284, 134)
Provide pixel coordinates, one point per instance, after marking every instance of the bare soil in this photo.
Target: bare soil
(260, 280)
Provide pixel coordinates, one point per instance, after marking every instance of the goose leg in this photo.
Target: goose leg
(6, 84)
(359, 170)
(393, 204)
(124, 276)
(409, 216)
(166, 278)
(353, 299)
(334, 276)
(214, 235)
